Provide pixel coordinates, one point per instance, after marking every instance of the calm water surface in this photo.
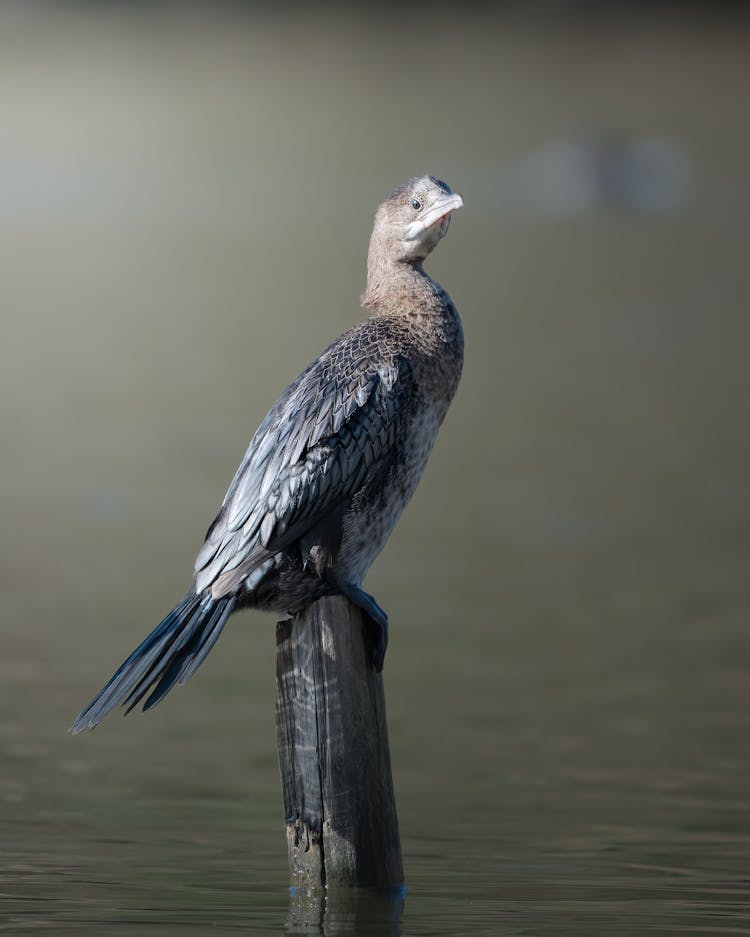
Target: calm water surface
(184, 213)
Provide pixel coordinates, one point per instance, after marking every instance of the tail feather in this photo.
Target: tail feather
(154, 669)
(193, 654)
(208, 638)
(172, 652)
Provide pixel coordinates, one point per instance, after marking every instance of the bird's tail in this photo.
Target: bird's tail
(170, 654)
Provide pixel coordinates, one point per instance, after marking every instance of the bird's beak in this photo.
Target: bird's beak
(440, 210)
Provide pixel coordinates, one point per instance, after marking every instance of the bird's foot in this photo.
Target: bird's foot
(377, 618)
(379, 637)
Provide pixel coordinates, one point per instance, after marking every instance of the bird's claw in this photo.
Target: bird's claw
(379, 637)
(376, 617)
(378, 627)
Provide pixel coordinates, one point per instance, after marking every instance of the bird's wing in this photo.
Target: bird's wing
(335, 424)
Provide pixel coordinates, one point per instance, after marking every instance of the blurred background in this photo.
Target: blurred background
(186, 194)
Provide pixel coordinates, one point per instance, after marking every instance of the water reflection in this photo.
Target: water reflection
(354, 911)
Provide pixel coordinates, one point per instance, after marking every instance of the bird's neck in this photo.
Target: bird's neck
(398, 288)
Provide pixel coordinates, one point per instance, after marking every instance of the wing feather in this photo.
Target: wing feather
(335, 424)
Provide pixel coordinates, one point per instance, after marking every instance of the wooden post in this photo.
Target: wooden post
(340, 810)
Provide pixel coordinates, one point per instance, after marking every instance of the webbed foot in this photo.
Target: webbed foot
(377, 618)
(378, 635)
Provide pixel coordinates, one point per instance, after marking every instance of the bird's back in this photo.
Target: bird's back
(364, 412)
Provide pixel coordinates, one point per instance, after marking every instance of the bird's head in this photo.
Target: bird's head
(414, 217)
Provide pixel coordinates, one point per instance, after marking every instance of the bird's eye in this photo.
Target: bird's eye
(416, 204)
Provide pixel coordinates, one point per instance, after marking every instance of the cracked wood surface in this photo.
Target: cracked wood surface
(339, 805)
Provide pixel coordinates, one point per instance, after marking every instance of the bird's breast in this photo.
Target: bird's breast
(376, 508)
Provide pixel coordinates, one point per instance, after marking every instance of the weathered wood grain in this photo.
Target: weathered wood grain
(342, 828)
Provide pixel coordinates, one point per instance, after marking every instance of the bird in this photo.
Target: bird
(330, 468)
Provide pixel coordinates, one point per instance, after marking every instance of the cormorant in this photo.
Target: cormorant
(331, 467)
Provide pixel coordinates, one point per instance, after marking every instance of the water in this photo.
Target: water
(567, 679)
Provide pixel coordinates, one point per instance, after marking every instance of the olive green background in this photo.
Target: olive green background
(185, 205)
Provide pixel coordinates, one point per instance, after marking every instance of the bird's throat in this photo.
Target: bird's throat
(396, 287)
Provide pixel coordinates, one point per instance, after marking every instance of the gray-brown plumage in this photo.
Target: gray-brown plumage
(331, 467)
